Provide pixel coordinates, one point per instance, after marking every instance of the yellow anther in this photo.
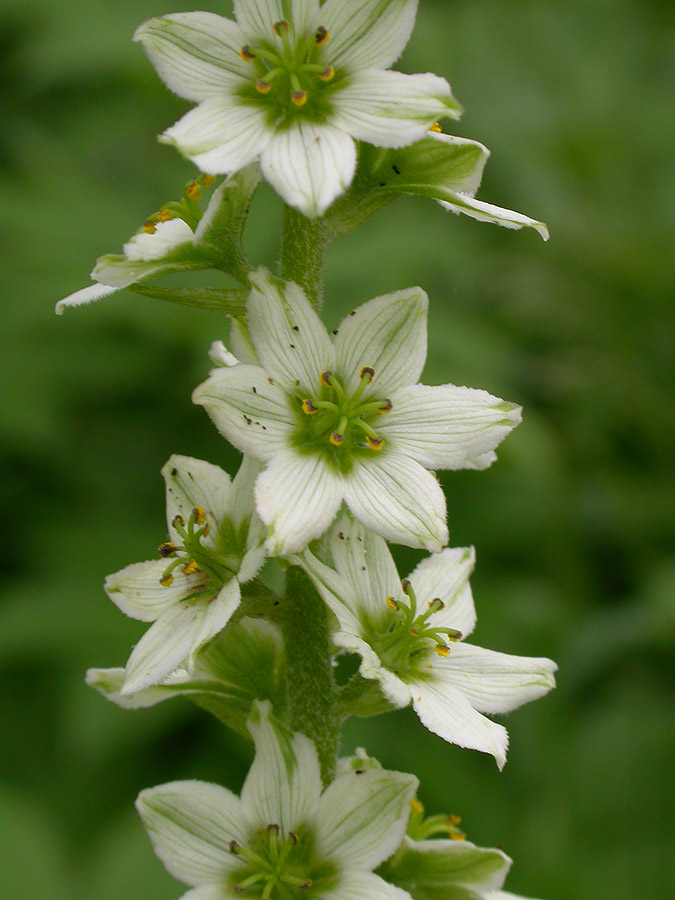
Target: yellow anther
(374, 443)
(167, 549)
(369, 371)
(245, 53)
(206, 530)
(208, 180)
(416, 806)
(436, 128)
(442, 650)
(392, 604)
(149, 227)
(325, 378)
(263, 87)
(167, 581)
(337, 439)
(437, 604)
(387, 405)
(178, 520)
(321, 35)
(199, 514)
(280, 26)
(299, 98)
(193, 191)
(306, 884)
(457, 836)
(164, 215)
(452, 820)
(308, 407)
(191, 567)
(327, 75)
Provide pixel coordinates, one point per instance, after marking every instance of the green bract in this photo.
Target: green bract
(343, 418)
(402, 635)
(191, 593)
(284, 838)
(294, 83)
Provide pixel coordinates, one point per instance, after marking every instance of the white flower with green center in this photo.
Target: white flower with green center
(191, 592)
(294, 83)
(178, 237)
(343, 418)
(407, 634)
(283, 838)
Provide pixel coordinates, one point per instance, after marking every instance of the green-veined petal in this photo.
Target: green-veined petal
(367, 33)
(487, 212)
(446, 575)
(85, 295)
(137, 591)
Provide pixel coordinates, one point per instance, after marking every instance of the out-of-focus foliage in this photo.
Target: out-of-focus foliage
(572, 526)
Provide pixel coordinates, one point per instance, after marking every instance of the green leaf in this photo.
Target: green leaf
(231, 301)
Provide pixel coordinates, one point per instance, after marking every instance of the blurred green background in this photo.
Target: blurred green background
(572, 526)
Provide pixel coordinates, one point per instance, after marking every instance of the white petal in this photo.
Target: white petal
(297, 497)
(137, 592)
(443, 426)
(217, 891)
(120, 272)
(257, 17)
(222, 134)
(309, 165)
(337, 592)
(445, 710)
(486, 212)
(193, 482)
(249, 411)
(363, 885)
(367, 33)
(167, 236)
(196, 54)
(283, 784)
(363, 559)
(397, 498)
(388, 333)
(221, 356)
(109, 682)
(446, 575)
(390, 109)
(243, 506)
(362, 817)
(394, 689)
(496, 682)
(437, 165)
(178, 634)
(191, 824)
(241, 342)
(290, 339)
(86, 295)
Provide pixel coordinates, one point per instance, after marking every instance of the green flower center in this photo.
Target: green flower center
(192, 555)
(278, 866)
(287, 67)
(409, 635)
(337, 422)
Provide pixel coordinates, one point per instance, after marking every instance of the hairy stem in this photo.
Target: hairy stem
(303, 245)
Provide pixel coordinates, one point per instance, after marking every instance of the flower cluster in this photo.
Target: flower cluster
(340, 447)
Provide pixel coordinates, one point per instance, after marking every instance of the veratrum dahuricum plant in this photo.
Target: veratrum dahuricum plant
(340, 447)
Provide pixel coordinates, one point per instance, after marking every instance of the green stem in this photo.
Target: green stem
(303, 244)
(311, 687)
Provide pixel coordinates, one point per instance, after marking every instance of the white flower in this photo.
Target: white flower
(284, 837)
(177, 238)
(401, 634)
(190, 594)
(344, 419)
(294, 83)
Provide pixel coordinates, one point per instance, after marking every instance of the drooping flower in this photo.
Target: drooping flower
(294, 83)
(283, 838)
(344, 419)
(408, 636)
(178, 237)
(191, 592)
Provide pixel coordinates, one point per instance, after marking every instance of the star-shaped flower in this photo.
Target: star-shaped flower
(343, 418)
(191, 592)
(294, 83)
(408, 634)
(178, 237)
(284, 838)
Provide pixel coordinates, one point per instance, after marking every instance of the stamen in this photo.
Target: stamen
(191, 568)
(262, 86)
(442, 650)
(308, 407)
(178, 520)
(193, 191)
(167, 549)
(415, 806)
(374, 443)
(327, 75)
(321, 35)
(325, 378)
(149, 227)
(281, 25)
(336, 439)
(164, 215)
(246, 54)
(199, 514)
(392, 604)
(436, 605)
(208, 180)
(299, 98)
(166, 580)
(436, 128)
(387, 405)
(233, 847)
(368, 371)
(294, 838)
